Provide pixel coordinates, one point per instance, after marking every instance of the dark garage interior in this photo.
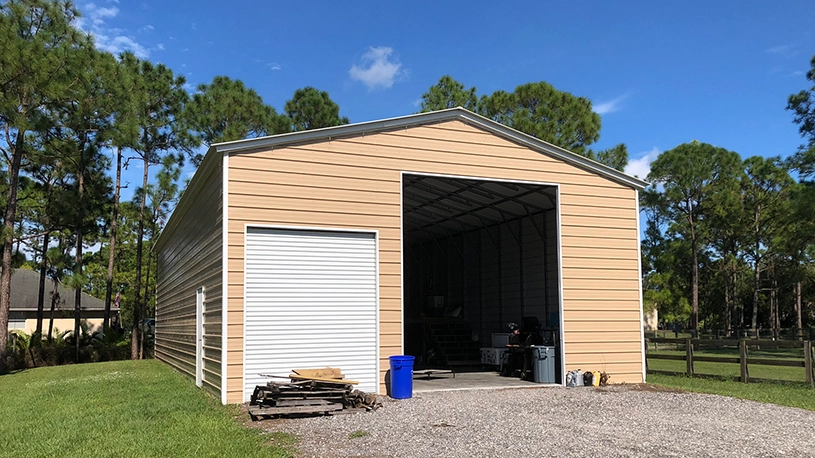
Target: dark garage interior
(478, 255)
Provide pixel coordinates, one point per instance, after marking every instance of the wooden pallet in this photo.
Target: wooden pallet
(309, 395)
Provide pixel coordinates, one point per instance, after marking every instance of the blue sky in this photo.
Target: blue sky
(660, 73)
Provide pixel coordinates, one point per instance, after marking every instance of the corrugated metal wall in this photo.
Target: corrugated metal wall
(189, 257)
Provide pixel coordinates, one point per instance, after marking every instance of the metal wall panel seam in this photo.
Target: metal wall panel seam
(224, 276)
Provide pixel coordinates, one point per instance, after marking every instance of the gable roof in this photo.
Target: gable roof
(433, 117)
(25, 289)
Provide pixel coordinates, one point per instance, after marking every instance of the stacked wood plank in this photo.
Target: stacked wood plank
(310, 392)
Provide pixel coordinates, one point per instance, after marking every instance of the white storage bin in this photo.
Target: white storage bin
(492, 356)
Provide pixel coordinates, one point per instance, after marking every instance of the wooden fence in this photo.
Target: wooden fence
(743, 360)
(735, 334)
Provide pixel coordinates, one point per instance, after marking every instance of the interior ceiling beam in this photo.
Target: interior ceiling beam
(474, 212)
(524, 203)
(488, 193)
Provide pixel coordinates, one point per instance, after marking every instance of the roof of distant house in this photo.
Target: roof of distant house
(25, 288)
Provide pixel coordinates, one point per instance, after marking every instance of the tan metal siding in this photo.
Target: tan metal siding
(190, 256)
(355, 183)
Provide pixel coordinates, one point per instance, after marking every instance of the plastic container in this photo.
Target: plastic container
(401, 376)
(543, 364)
(500, 339)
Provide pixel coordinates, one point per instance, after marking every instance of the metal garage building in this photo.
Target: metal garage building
(346, 245)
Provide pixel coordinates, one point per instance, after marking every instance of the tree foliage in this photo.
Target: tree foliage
(802, 104)
(36, 71)
(536, 109)
(449, 93)
(310, 108)
(731, 238)
(540, 110)
(690, 175)
(227, 110)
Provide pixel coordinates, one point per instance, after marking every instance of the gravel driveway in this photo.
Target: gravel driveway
(563, 422)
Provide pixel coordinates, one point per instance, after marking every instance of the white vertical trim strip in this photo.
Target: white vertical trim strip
(639, 277)
(402, 254)
(562, 318)
(378, 317)
(243, 320)
(224, 275)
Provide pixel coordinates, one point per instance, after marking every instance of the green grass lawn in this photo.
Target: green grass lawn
(118, 409)
(786, 394)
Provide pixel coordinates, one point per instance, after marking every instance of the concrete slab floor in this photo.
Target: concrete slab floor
(469, 381)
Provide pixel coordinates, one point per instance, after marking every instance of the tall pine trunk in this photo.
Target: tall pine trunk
(146, 298)
(78, 261)
(728, 306)
(774, 305)
(756, 273)
(695, 293)
(54, 297)
(114, 226)
(46, 239)
(154, 217)
(739, 307)
(798, 310)
(138, 306)
(8, 241)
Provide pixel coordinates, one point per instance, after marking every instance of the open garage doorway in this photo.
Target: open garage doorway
(480, 256)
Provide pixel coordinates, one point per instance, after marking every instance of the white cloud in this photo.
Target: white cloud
(160, 46)
(641, 166)
(108, 39)
(119, 44)
(786, 51)
(98, 15)
(797, 73)
(610, 106)
(146, 28)
(274, 66)
(376, 68)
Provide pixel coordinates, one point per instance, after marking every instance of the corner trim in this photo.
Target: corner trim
(639, 280)
(560, 292)
(224, 278)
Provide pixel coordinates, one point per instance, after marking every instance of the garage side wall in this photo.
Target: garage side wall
(189, 256)
(355, 183)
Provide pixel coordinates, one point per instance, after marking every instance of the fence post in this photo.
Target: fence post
(745, 375)
(645, 342)
(689, 356)
(808, 362)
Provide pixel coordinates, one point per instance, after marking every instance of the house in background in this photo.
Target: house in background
(25, 287)
(346, 245)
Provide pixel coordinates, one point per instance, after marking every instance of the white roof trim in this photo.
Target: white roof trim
(458, 113)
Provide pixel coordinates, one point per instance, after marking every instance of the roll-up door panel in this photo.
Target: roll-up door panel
(311, 302)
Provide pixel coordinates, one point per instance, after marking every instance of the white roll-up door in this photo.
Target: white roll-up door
(311, 302)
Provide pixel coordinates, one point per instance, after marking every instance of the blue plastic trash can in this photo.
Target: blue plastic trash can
(401, 376)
